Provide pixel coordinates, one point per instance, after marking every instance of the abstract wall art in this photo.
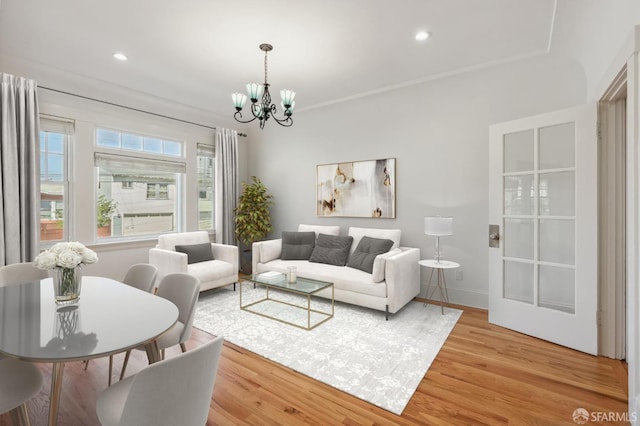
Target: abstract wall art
(357, 189)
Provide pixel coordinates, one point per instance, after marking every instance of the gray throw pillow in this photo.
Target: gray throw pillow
(196, 252)
(368, 248)
(297, 245)
(331, 249)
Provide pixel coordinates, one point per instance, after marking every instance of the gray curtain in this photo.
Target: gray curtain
(227, 187)
(19, 170)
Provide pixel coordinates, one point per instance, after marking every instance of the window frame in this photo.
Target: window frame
(66, 128)
(144, 156)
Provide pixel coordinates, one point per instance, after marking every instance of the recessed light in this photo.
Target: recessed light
(120, 56)
(422, 35)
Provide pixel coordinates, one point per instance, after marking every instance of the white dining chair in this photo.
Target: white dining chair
(20, 273)
(19, 380)
(181, 289)
(143, 277)
(175, 391)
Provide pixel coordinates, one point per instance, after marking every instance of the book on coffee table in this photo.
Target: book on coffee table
(271, 276)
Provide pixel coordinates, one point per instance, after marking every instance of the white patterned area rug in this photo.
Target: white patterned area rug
(356, 351)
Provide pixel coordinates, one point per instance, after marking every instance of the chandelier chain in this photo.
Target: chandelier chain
(265, 67)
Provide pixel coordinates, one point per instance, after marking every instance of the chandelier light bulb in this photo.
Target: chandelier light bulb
(239, 99)
(254, 90)
(287, 97)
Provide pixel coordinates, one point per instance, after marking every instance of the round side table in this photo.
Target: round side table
(441, 283)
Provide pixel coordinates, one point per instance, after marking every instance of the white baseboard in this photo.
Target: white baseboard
(460, 296)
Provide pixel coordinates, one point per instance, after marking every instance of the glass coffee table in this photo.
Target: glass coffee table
(305, 287)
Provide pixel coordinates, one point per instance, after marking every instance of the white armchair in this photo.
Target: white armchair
(219, 272)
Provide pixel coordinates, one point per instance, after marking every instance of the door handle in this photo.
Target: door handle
(494, 236)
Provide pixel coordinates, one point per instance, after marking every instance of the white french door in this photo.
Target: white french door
(543, 196)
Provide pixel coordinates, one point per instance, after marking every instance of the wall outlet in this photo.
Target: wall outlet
(458, 274)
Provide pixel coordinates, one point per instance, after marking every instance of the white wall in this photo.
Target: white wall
(438, 132)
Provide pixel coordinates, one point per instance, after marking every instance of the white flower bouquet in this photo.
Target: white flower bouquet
(64, 261)
(65, 255)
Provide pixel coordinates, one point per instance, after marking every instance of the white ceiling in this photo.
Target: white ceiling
(198, 52)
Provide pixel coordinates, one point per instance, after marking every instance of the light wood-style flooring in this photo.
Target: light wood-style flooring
(483, 375)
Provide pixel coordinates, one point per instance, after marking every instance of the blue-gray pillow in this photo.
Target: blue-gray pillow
(297, 245)
(331, 249)
(368, 248)
(196, 252)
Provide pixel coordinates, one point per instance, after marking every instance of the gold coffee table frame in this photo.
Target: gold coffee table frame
(303, 286)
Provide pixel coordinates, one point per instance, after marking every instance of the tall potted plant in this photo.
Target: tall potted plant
(253, 218)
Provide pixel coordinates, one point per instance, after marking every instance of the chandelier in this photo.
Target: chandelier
(261, 107)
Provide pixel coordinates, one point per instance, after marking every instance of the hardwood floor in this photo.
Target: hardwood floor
(483, 375)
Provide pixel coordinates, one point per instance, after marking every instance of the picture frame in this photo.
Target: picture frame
(357, 189)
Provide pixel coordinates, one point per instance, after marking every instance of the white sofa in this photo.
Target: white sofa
(219, 272)
(394, 282)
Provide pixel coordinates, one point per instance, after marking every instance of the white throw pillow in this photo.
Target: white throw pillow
(319, 229)
(379, 264)
(389, 234)
(270, 250)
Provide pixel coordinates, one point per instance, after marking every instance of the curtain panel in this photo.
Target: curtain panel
(19, 170)
(226, 185)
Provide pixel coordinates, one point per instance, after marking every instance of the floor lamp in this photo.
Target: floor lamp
(438, 226)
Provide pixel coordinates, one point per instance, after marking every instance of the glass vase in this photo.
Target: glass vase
(67, 283)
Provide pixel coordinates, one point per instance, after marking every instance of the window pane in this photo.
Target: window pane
(173, 148)
(108, 138)
(153, 145)
(132, 142)
(56, 143)
(52, 186)
(135, 201)
(205, 188)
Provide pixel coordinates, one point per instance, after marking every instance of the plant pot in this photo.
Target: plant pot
(245, 262)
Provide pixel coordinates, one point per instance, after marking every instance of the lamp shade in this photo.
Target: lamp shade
(438, 225)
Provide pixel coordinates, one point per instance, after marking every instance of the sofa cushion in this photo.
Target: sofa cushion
(319, 229)
(390, 234)
(331, 249)
(366, 251)
(297, 245)
(380, 263)
(196, 252)
(270, 250)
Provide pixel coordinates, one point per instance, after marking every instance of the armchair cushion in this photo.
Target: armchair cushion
(331, 249)
(364, 255)
(196, 252)
(297, 245)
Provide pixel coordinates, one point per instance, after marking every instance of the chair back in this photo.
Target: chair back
(182, 290)
(176, 391)
(169, 241)
(20, 382)
(141, 276)
(20, 273)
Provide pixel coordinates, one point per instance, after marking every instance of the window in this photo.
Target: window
(54, 179)
(157, 191)
(126, 141)
(205, 187)
(138, 193)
